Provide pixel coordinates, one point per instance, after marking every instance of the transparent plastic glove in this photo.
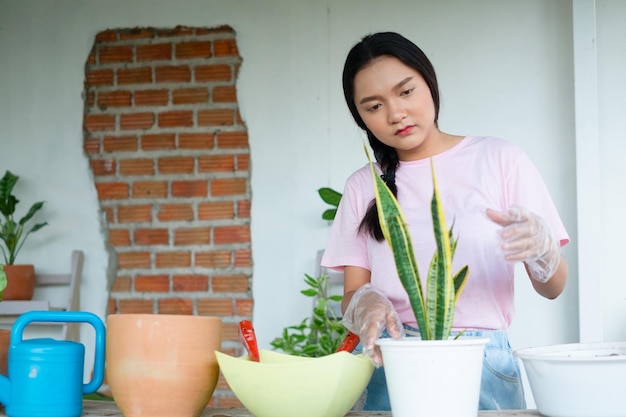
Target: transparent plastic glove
(367, 316)
(526, 237)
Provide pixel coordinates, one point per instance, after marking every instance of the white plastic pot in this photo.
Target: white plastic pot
(433, 377)
(577, 379)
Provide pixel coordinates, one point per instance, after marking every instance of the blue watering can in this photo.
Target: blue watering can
(46, 375)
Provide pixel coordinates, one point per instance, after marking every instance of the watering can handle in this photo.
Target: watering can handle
(68, 317)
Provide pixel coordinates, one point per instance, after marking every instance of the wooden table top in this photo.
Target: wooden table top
(109, 409)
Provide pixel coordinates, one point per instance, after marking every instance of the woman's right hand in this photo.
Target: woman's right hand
(367, 315)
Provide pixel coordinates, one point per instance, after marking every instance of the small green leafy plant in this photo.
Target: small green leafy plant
(315, 336)
(332, 198)
(13, 234)
(434, 311)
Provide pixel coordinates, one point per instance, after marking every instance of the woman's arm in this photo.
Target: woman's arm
(556, 284)
(354, 277)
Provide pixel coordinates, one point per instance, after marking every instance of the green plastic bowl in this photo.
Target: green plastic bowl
(282, 385)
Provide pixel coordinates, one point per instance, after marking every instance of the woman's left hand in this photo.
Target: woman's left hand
(527, 237)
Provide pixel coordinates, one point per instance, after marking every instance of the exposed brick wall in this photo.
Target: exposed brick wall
(171, 163)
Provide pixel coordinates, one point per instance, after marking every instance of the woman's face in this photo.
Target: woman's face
(395, 103)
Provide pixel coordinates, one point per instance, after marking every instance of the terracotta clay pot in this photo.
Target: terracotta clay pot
(162, 365)
(5, 340)
(20, 282)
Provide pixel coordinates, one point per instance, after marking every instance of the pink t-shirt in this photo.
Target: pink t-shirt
(476, 174)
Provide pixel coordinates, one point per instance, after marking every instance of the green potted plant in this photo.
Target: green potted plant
(318, 335)
(422, 371)
(13, 234)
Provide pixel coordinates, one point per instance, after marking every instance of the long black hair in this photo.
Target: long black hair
(369, 48)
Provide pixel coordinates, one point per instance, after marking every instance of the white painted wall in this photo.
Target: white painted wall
(505, 69)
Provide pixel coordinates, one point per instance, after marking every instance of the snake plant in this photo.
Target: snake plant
(434, 310)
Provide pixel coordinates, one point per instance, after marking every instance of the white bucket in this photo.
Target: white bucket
(577, 379)
(433, 377)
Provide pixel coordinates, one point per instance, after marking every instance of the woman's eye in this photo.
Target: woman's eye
(374, 107)
(407, 92)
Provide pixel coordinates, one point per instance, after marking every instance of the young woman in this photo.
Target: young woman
(500, 206)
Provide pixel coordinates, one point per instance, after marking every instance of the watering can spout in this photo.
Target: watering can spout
(5, 390)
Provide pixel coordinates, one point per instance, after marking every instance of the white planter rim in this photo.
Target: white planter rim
(576, 352)
(416, 341)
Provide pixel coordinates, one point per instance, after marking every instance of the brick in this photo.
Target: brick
(243, 162)
(111, 54)
(173, 259)
(182, 118)
(170, 73)
(161, 141)
(136, 306)
(97, 77)
(223, 235)
(157, 236)
(108, 214)
(121, 284)
(112, 306)
(92, 146)
(141, 75)
(151, 97)
(196, 140)
(243, 258)
(216, 210)
(134, 213)
(225, 47)
(192, 236)
(232, 140)
(175, 212)
(225, 94)
(138, 166)
(103, 167)
(243, 209)
(131, 260)
(194, 188)
(190, 95)
(229, 186)
(152, 283)
(190, 283)
(176, 165)
(177, 31)
(91, 100)
(189, 50)
(98, 122)
(119, 237)
(204, 73)
(117, 98)
(175, 306)
(216, 117)
(216, 163)
(120, 143)
(236, 283)
(136, 33)
(230, 332)
(213, 259)
(149, 189)
(143, 121)
(112, 190)
(154, 52)
(215, 307)
(106, 36)
(243, 306)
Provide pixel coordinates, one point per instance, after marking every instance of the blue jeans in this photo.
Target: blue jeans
(501, 384)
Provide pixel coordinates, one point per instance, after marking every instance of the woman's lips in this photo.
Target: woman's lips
(404, 131)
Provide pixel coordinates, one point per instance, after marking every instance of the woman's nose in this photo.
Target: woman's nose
(396, 112)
